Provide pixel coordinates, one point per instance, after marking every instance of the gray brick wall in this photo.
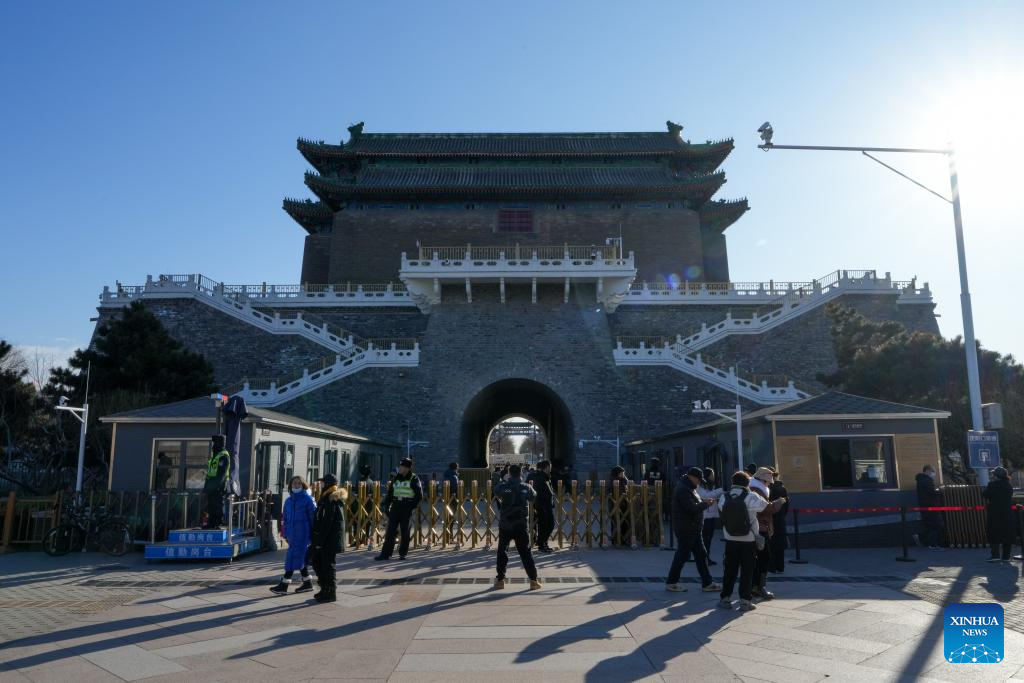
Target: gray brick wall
(468, 347)
(366, 245)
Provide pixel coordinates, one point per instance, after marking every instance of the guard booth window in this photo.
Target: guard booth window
(331, 462)
(346, 466)
(312, 463)
(863, 462)
(180, 463)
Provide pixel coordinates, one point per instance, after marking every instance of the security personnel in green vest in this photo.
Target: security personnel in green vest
(218, 474)
(403, 497)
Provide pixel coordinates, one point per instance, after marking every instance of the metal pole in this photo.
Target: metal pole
(739, 435)
(970, 348)
(905, 557)
(796, 537)
(81, 449)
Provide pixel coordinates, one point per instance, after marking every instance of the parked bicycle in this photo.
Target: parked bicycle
(84, 529)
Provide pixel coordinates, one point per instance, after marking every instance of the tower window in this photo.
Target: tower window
(515, 220)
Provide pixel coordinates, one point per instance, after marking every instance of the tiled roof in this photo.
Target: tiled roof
(719, 215)
(204, 409)
(492, 181)
(838, 403)
(308, 214)
(829, 403)
(515, 144)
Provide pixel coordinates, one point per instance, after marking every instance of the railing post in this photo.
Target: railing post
(152, 518)
(796, 537)
(5, 541)
(231, 498)
(905, 557)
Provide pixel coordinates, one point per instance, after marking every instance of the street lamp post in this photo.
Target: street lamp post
(82, 415)
(970, 347)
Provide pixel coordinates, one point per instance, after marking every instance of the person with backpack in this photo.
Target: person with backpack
(688, 523)
(738, 508)
(513, 498)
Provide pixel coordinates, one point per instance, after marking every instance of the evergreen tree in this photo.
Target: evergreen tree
(886, 361)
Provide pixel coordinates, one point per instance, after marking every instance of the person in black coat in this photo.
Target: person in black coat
(779, 540)
(544, 505)
(998, 497)
(932, 522)
(688, 524)
(327, 537)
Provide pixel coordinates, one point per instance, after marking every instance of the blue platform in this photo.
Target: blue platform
(202, 544)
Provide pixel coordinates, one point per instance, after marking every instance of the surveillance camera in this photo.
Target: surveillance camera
(764, 126)
(766, 133)
(63, 401)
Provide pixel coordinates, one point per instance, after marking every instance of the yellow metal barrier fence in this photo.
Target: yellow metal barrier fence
(585, 515)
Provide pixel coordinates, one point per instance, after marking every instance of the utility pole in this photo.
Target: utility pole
(970, 346)
(731, 414)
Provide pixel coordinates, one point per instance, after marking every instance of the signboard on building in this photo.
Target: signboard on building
(983, 448)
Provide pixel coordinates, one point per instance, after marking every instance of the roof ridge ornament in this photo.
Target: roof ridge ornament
(674, 129)
(355, 131)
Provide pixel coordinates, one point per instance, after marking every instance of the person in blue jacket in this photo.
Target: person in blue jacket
(296, 525)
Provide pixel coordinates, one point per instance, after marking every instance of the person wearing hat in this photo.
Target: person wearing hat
(998, 497)
(688, 523)
(759, 486)
(328, 536)
(403, 497)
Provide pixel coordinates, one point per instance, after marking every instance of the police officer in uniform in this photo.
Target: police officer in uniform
(403, 497)
(218, 474)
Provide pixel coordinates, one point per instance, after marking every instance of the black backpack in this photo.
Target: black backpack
(735, 518)
(512, 505)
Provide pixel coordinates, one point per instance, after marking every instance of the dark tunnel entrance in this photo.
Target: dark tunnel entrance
(516, 397)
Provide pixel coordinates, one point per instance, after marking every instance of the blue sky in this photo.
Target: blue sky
(154, 137)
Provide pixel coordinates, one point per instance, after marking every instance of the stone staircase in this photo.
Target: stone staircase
(795, 302)
(788, 303)
(659, 351)
(268, 393)
(237, 305)
(350, 352)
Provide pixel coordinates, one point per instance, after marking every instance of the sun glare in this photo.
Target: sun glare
(981, 118)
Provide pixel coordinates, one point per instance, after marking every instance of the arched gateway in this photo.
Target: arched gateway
(516, 397)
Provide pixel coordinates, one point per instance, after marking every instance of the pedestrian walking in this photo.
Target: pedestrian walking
(296, 528)
(403, 497)
(688, 522)
(545, 505)
(932, 523)
(451, 476)
(999, 520)
(514, 497)
(707, 489)
(780, 537)
(739, 508)
(328, 536)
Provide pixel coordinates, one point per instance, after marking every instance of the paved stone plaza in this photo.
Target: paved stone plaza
(601, 616)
